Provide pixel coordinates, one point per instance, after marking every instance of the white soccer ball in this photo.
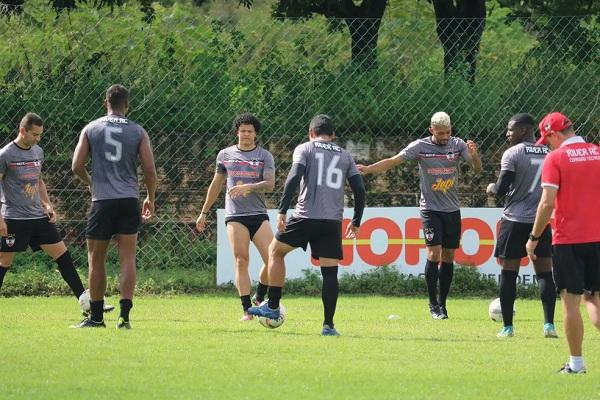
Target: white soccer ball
(273, 323)
(495, 310)
(84, 301)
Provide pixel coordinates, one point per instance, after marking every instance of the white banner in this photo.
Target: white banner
(388, 236)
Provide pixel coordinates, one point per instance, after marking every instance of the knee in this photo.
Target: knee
(242, 260)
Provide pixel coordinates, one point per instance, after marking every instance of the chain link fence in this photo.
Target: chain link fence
(190, 76)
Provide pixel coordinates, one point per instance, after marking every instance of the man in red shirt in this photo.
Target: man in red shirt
(570, 188)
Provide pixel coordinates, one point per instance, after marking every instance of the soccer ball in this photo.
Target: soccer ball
(84, 301)
(495, 310)
(273, 323)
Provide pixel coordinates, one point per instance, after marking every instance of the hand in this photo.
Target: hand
(281, 222)
(147, 209)
(239, 190)
(490, 189)
(472, 147)
(201, 222)
(51, 214)
(530, 246)
(363, 169)
(3, 228)
(351, 231)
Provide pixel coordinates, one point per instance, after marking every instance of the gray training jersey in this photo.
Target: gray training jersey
(328, 166)
(114, 148)
(21, 170)
(525, 160)
(244, 167)
(438, 170)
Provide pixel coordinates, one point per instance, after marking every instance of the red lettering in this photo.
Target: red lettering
(394, 248)
(486, 243)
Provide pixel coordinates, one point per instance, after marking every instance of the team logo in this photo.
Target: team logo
(10, 240)
(429, 234)
(451, 156)
(547, 126)
(443, 185)
(254, 164)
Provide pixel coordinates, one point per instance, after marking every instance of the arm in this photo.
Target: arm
(80, 157)
(500, 188)
(211, 196)
(3, 227)
(542, 218)
(381, 166)
(149, 171)
(45, 199)
(358, 189)
(266, 185)
(289, 189)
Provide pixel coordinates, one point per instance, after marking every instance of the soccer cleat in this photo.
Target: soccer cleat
(443, 312)
(505, 332)
(328, 331)
(122, 324)
(88, 323)
(107, 308)
(246, 317)
(434, 309)
(566, 369)
(550, 331)
(264, 311)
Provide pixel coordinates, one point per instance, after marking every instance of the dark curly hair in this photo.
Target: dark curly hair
(245, 119)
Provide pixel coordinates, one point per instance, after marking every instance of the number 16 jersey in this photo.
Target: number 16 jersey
(328, 166)
(525, 160)
(114, 148)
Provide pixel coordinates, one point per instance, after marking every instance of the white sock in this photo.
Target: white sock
(576, 363)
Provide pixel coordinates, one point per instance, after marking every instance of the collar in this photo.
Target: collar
(572, 140)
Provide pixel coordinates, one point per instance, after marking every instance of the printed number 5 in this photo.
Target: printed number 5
(538, 162)
(108, 139)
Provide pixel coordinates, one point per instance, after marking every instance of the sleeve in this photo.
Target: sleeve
(551, 171)
(291, 185)
(300, 154)
(352, 169)
(2, 163)
(269, 163)
(508, 161)
(410, 152)
(220, 166)
(358, 190)
(463, 150)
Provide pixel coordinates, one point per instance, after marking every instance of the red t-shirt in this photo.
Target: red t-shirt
(574, 169)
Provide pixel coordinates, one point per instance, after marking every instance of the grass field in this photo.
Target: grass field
(195, 348)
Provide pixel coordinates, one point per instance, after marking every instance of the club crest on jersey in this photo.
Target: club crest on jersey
(254, 164)
(429, 234)
(10, 240)
(451, 156)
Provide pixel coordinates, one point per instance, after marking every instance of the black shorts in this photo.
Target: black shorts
(441, 228)
(28, 232)
(576, 267)
(251, 222)
(513, 236)
(323, 235)
(113, 217)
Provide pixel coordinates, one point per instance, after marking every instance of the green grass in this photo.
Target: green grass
(194, 347)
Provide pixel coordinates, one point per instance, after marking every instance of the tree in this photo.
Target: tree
(11, 7)
(459, 27)
(362, 19)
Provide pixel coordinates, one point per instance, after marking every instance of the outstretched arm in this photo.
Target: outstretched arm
(381, 166)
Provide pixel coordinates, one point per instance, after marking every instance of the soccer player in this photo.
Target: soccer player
(519, 180)
(28, 217)
(571, 188)
(438, 156)
(114, 144)
(249, 171)
(320, 167)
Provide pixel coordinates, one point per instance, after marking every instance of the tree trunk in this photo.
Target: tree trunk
(364, 34)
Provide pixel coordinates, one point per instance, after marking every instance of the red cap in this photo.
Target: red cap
(553, 122)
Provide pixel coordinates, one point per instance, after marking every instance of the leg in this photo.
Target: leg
(277, 252)
(573, 322)
(97, 276)
(508, 290)
(239, 238)
(127, 247)
(446, 274)
(6, 260)
(330, 289)
(60, 254)
(262, 238)
(434, 255)
(592, 303)
(543, 270)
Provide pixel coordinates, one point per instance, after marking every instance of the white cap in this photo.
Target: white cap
(440, 119)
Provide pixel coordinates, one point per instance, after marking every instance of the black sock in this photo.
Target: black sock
(508, 294)
(126, 306)
(329, 293)
(431, 278)
(274, 296)
(3, 271)
(97, 309)
(246, 304)
(69, 273)
(446, 274)
(547, 295)
(261, 290)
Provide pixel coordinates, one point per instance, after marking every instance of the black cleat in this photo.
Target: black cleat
(88, 323)
(434, 309)
(122, 324)
(443, 312)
